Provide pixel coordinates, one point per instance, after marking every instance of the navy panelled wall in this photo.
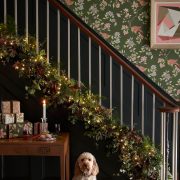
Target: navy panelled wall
(36, 168)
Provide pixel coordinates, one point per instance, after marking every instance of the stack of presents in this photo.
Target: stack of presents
(12, 122)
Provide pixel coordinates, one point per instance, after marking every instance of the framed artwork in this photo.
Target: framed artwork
(165, 24)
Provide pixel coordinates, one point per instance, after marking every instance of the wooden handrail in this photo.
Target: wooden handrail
(112, 52)
(169, 109)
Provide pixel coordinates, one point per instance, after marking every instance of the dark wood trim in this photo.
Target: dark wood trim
(115, 55)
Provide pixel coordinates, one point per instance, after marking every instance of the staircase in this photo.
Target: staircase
(71, 45)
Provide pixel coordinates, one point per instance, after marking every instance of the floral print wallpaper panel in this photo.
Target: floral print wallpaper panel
(125, 24)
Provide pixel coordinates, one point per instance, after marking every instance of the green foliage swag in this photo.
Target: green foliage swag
(138, 157)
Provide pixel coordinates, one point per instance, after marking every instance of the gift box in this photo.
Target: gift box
(40, 128)
(3, 131)
(19, 117)
(36, 128)
(10, 107)
(28, 128)
(16, 130)
(7, 118)
(6, 107)
(15, 107)
(20, 129)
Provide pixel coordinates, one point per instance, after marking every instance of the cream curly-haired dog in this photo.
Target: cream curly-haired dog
(86, 167)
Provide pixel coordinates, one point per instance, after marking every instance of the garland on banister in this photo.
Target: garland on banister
(139, 158)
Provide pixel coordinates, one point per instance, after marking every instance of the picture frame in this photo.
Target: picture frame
(165, 24)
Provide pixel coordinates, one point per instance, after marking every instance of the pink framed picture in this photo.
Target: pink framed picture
(165, 24)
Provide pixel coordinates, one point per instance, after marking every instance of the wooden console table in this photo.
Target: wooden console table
(21, 147)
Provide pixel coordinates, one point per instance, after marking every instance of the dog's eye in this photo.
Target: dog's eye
(89, 159)
(82, 159)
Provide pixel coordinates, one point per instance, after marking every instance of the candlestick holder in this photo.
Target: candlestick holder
(43, 120)
(44, 125)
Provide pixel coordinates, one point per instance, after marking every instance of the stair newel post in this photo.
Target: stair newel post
(169, 166)
(175, 146)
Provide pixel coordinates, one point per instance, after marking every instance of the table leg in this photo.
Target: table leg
(62, 166)
(67, 165)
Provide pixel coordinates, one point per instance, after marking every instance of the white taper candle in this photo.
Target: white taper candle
(44, 110)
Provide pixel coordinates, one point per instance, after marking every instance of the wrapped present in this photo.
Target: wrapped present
(3, 131)
(20, 129)
(28, 128)
(40, 128)
(6, 107)
(36, 128)
(7, 118)
(16, 130)
(10, 107)
(19, 117)
(15, 107)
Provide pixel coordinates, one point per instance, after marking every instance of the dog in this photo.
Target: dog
(86, 167)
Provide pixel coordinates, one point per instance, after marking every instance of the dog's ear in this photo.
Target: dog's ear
(95, 168)
(77, 169)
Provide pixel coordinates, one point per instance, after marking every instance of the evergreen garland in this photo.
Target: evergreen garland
(139, 158)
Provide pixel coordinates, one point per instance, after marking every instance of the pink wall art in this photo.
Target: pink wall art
(165, 24)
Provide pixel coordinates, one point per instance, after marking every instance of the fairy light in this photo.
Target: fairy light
(125, 144)
(16, 67)
(41, 57)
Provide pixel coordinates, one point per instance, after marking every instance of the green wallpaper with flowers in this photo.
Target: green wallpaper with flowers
(125, 24)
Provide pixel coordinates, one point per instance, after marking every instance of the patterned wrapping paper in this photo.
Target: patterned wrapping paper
(36, 128)
(6, 107)
(15, 107)
(8, 118)
(16, 130)
(3, 131)
(20, 129)
(28, 128)
(19, 117)
(10, 107)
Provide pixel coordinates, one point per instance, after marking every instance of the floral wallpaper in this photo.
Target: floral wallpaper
(125, 24)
